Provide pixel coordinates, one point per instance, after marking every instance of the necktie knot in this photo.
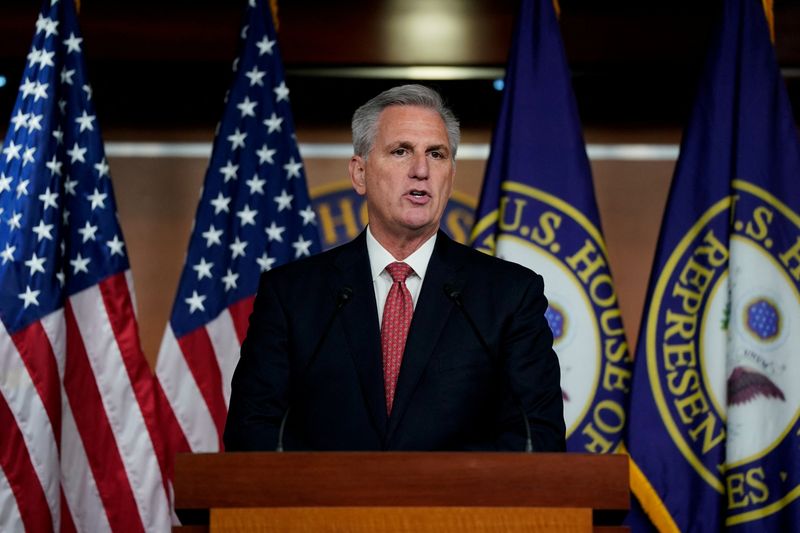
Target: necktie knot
(399, 271)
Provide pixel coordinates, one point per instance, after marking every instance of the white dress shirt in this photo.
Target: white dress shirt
(379, 258)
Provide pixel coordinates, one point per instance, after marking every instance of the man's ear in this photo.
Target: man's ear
(358, 174)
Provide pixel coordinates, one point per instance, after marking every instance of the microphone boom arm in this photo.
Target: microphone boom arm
(343, 297)
(454, 294)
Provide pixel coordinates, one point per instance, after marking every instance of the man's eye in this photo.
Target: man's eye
(399, 151)
(437, 155)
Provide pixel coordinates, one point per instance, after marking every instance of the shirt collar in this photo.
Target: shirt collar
(379, 256)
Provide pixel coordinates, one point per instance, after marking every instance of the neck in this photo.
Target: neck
(401, 246)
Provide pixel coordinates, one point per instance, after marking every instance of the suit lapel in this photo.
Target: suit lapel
(360, 319)
(430, 315)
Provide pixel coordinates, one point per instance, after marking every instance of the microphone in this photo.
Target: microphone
(343, 297)
(454, 294)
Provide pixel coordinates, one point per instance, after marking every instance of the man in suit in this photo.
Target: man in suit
(401, 339)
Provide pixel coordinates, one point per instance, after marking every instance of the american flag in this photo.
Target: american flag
(80, 444)
(254, 214)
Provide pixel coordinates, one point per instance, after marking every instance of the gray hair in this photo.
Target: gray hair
(365, 119)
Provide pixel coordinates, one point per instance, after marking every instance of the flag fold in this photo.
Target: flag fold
(80, 444)
(538, 208)
(714, 429)
(254, 214)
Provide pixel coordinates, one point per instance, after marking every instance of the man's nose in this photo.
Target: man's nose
(419, 167)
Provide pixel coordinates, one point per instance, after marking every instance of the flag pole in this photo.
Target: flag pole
(769, 12)
(273, 6)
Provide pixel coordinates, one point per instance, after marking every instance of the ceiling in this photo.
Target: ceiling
(166, 65)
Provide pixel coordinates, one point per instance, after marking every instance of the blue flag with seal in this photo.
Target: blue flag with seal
(537, 208)
(714, 430)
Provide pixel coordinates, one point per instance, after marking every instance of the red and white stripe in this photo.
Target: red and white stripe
(194, 373)
(10, 518)
(80, 447)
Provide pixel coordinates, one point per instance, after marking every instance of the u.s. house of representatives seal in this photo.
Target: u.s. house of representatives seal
(723, 350)
(548, 235)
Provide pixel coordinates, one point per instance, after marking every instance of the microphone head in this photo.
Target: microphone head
(344, 295)
(452, 292)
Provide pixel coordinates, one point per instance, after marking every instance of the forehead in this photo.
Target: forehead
(411, 123)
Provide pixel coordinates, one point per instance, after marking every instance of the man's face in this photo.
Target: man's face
(408, 176)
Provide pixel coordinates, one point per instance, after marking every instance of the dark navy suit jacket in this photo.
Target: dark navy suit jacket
(451, 394)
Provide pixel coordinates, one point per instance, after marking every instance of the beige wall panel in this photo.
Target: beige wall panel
(156, 200)
(631, 196)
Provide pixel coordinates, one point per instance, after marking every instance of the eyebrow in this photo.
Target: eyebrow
(409, 145)
(438, 148)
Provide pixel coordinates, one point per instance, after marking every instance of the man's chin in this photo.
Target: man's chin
(409, 227)
(419, 220)
(418, 224)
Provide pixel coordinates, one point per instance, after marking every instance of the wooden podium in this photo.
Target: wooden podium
(410, 492)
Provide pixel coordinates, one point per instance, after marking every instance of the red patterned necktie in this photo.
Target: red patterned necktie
(397, 314)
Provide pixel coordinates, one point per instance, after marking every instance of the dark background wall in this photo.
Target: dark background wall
(166, 64)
